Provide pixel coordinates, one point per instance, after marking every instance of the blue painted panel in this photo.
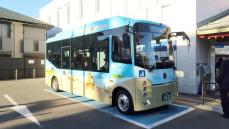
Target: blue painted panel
(157, 76)
(121, 70)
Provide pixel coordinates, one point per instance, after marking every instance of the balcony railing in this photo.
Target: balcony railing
(6, 45)
(33, 46)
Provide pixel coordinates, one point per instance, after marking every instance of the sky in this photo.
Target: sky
(27, 7)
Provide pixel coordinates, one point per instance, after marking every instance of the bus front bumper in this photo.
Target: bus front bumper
(157, 96)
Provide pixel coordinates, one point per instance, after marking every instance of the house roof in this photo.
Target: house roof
(9, 15)
(215, 24)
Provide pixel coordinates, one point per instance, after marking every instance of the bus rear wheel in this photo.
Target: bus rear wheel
(55, 85)
(124, 102)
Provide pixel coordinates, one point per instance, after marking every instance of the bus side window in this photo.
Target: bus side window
(77, 53)
(99, 52)
(121, 49)
(53, 53)
(87, 53)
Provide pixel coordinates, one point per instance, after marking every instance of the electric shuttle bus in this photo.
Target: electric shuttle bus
(121, 61)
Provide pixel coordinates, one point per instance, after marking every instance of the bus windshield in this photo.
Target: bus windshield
(152, 49)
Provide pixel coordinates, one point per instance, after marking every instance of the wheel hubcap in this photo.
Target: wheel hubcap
(55, 84)
(123, 102)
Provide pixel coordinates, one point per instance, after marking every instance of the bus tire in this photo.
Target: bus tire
(124, 102)
(55, 84)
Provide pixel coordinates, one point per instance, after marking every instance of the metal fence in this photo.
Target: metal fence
(18, 68)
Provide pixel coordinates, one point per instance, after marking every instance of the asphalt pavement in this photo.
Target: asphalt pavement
(50, 111)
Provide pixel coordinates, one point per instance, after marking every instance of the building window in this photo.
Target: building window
(68, 13)
(126, 6)
(58, 17)
(36, 46)
(80, 8)
(5, 32)
(97, 6)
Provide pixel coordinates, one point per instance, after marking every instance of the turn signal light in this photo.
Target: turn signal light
(144, 89)
(144, 83)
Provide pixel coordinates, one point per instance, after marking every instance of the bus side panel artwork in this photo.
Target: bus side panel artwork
(50, 72)
(123, 77)
(77, 82)
(94, 83)
(100, 85)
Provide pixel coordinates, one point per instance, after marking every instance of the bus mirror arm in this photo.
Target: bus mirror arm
(181, 33)
(184, 36)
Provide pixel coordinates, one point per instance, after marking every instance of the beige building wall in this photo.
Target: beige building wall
(34, 33)
(17, 38)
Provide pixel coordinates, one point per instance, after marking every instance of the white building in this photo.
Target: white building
(180, 15)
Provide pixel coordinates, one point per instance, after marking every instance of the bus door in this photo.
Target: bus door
(77, 61)
(77, 71)
(66, 76)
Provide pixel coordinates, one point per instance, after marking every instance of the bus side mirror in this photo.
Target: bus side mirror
(158, 41)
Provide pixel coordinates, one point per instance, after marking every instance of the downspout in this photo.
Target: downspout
(14, 54)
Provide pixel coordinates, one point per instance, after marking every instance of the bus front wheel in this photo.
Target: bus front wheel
(124, 102)
(55, 85)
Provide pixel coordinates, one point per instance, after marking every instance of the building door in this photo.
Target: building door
(66, 76)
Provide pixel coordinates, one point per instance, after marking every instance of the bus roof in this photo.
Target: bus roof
(98, 26)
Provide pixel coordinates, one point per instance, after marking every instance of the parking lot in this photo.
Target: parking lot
(29, 104)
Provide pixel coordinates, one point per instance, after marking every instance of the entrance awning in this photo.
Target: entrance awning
(213, 25)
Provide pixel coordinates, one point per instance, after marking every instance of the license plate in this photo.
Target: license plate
(166, 96)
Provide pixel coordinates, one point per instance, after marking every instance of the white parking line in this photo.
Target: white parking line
(11, 100)
(23, 110)
(170, 118)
